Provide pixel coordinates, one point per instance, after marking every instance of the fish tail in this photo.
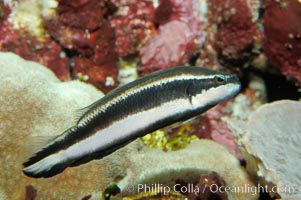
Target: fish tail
(50, 160)
(47, 167)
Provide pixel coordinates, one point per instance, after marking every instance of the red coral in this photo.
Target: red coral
(83, 14)
(30, 47)
(105, 46)
(235, 33)
(133, 25)
(82, 27)
(163, 12)
(102, 76)
(282, 43)
(46, 51)
(176, 39)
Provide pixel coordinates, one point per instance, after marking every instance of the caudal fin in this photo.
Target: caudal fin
(47, 167)
(49, 161)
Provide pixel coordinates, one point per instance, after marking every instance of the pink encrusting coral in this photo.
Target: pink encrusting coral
(282, 41)
(177, 38)
(220, 131)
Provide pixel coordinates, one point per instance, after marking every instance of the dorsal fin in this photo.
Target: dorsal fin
(78, 114)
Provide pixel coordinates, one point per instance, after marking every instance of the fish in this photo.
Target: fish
(131, 111)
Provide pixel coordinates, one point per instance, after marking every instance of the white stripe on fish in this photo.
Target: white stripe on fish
(131, 111)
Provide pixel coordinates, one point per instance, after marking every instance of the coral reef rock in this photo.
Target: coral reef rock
(270, 141)
(153, 166)
(282, 43)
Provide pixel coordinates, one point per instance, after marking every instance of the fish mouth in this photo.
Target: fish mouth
(237, 89)
(232, 78)
(233, 81)
(234, 89)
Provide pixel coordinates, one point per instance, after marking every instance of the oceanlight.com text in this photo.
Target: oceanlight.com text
(213, 188)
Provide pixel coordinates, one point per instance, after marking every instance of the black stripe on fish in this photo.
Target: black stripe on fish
(145, 96)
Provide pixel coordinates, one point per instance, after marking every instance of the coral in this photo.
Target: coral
(249, 99)
(46, 52)
(26, 15)
(198, 158)
(35, 103)
(82, 28)
(270, 141)
(201, 127)
(177, 39)
(282, 43)
(76, 26)
(133, 25)
(235, 31)
(220, 132)
(28, 42)
(102, 76)
(4, 14)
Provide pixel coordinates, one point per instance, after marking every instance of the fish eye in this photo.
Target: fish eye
(220, 79)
